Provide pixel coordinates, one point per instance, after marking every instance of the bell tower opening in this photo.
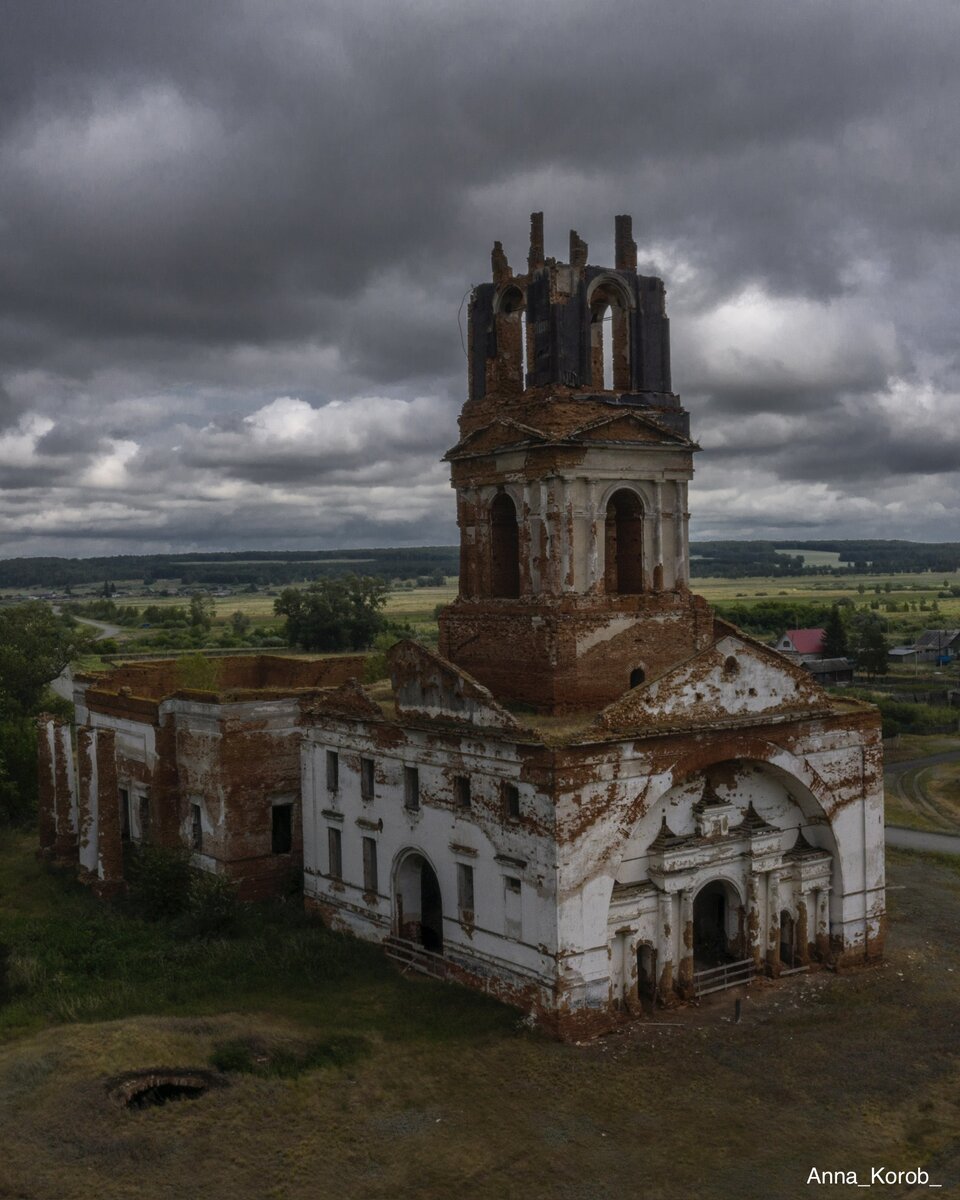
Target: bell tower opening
(570, 472)
(504, 548)
(609, 338)
(623, 544)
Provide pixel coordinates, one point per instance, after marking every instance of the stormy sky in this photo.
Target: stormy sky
(235, 236)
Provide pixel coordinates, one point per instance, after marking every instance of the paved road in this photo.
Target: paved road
(920, 839)
(913, 764)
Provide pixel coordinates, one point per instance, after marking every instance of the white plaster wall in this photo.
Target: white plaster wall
(442, 834)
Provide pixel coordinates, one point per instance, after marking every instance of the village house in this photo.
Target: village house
(594, 796)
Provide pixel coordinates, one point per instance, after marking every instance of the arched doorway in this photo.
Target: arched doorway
(646, 972)
(788, 939)
(712, 916)
(504, 548)
(623, 544)
(419, 904)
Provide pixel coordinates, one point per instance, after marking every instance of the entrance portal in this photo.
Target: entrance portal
(787, 939)
(419, 905)
(710, 943)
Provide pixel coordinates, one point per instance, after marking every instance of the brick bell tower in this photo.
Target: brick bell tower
(571, 477)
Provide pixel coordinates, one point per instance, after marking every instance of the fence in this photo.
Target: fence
(727, 975)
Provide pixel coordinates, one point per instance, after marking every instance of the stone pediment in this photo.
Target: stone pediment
(426, 685)
(350, 699)
(626, 427)
(502, 434)
(735, 678)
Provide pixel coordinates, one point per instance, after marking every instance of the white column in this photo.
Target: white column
(593, 543)
(679, 531)
(657, 535)
(665, 941)
(773, 922)
(529, 532)
(566, 551)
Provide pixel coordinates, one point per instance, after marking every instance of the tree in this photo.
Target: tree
(240, 622)
(202, 610)
(334, 614)
(872, 650)
(835, 639)
(35, 646)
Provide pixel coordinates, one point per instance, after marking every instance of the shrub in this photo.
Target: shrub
(213, 909)
(160, 881)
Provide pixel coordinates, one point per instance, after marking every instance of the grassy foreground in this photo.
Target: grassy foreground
(452, 1097)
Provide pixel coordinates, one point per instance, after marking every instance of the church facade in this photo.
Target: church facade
(595, 796)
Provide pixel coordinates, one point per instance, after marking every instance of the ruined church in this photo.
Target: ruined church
(596, 796)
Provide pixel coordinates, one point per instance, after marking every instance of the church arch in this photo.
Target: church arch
(510, 316)
(610, 303)
(417, 901)
(504, 547)
(805, 787)
(623, 543)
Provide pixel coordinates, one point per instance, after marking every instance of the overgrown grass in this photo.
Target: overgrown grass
(74, 958)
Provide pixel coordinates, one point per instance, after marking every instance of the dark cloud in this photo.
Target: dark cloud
(206, 207)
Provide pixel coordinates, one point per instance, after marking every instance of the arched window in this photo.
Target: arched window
(504, 548)
(623, 544)
(637, 676)
(609, 339)
(512, 338)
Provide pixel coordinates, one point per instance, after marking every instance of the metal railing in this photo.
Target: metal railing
(727, 975)
(413, 956)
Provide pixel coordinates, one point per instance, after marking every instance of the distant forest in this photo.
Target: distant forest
(230, 568)
(732, 560)
(737, 560)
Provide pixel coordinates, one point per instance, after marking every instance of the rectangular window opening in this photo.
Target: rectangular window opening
(370, 880)
(333, 771)
(282, 830)
(513, 907)
(125, 814)
(196, 827)
(465, 891)
(366, 778)
(461, 791)
(511, 800)
(144, 814)
(334, 853)
(411, 788)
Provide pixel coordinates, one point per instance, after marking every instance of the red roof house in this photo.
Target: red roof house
(802, 641)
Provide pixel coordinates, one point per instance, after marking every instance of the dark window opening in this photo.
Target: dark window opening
(511, 800)
(637, 676)
(461, 791)
(787, 939)
(144, 814)
(282, 832)
(465, 891)
(623, 544)
(196, 827)
(334, 854)
(366, 778)
(125, 814)
(512, 339)
(504, 548)
(411, 788)
(609, 340)
(333, 771)
(731, 666)
(370, 880)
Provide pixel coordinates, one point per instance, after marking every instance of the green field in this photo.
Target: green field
(449, 1093)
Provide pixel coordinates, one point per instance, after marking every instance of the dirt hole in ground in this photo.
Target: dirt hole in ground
(157, 1086)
